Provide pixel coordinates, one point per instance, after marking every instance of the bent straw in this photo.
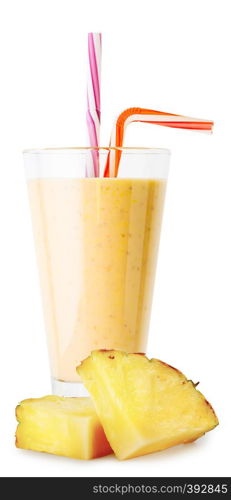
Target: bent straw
(147, 116)
(93, 101)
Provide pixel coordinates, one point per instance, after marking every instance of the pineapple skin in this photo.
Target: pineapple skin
(61, 426)
(142, 413)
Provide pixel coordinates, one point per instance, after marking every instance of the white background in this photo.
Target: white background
(168, 55)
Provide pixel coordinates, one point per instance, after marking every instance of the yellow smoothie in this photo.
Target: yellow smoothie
(97, 243)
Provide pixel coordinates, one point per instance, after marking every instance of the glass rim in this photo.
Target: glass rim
(105, 150)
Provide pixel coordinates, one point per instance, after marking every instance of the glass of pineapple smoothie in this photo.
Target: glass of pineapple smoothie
(97, 242)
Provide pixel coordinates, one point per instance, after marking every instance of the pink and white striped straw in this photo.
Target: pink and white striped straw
(93, 101)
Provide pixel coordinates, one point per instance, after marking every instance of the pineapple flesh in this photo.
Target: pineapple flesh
(144, 405)
(62, 426)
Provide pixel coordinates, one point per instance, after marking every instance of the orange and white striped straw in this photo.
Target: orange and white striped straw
(147, 116)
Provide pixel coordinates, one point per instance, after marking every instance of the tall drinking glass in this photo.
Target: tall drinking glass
(97, 242)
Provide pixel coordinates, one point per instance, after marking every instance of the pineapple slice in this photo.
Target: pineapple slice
(62, 426)
(144, 405)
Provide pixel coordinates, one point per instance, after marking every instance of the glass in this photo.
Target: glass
(97, 242)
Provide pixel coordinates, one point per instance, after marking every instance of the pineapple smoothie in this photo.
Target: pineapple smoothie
(97, 242)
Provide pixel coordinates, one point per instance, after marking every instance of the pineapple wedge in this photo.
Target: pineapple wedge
(144, 405)
(62, 426)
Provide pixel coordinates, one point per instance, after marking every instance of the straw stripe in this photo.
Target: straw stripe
(148, 116)
(92, 41)
(98, 54)
(93, 102)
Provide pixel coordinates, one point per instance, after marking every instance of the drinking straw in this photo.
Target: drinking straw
(93, 101)
(147, 116)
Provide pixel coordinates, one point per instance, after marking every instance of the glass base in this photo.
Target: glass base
(68, 389)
